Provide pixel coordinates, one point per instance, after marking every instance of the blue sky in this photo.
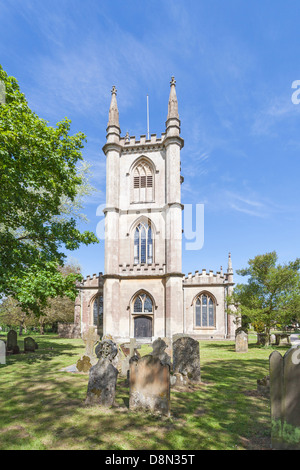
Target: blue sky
(234, 64)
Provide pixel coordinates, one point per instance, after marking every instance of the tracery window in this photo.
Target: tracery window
(143, 244)
(205, 311)
(143, 182)
(142, 304)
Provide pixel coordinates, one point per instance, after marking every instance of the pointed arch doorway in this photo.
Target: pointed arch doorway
(142, 327)
(142, 313)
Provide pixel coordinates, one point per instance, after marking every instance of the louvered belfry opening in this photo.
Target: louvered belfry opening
(143, 182)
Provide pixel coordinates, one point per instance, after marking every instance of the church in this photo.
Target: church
(142, 292)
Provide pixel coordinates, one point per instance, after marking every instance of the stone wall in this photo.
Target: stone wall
(68, 330)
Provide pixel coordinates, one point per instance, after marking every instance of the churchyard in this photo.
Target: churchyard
(43, 407)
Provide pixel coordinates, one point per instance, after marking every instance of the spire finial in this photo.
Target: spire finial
(230, 270)
(173, 81)
(173, 103)
(113, 119)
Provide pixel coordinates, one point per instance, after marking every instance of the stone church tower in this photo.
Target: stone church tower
(143, 292)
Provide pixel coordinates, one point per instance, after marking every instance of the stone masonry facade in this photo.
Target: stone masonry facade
(143, 292)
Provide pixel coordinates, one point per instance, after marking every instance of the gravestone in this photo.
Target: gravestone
(241, 341)
(29, 345)
(149, 385)
(12, 342)
(90, 338)
(2, 352)
(168, 349)
(103, 376)
(285, 399)
(159, 346)
(186, 358)
(127, 351)
(262, 339)
(133, 348)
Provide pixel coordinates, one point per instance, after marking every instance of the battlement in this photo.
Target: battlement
(205, 277)
(144, 269)
(93, 281)
(132, 143)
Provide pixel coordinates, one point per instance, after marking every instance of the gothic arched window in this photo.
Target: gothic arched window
(143, 244)
(143, 182)
(98, 312)
(143, 304)
(205, 311)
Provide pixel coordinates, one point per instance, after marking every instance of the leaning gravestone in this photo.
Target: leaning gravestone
(103, 376)
(241, 341)
(186, 358)
(149, 385)
(29, 344)
(12, 342)
(159, 346)
(2, 352)
(285, 399)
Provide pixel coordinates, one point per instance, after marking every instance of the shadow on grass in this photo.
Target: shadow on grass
(48, 348)
(45, 409)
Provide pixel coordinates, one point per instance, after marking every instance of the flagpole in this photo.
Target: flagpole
(148, 117)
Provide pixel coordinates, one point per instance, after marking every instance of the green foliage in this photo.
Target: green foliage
(34, 288)
(39, 178)
(272, 294)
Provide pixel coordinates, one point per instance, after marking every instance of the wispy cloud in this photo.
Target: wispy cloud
(274, 111)
(78, 71)
(255, 205)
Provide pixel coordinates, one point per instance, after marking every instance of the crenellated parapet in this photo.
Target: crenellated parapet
(205, 278)
(142, 269)
(133, 144)
(94, 281)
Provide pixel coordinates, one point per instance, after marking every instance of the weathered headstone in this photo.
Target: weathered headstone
(90, 338)
(149, 385)
(103, 376)
(186, 358)
(262, 339)
(133, 347)
(2, 352)
(29, 344)
(168, 349)
(159, 346)
(126, 352)
(285, 399)
(241, 341)
(12, 342)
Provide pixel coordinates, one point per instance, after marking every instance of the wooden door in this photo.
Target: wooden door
(142, 327)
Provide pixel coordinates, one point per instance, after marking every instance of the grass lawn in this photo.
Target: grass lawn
(42, 408)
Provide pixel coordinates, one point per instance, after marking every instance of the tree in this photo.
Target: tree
(272, 294)
(39, 182)
(59, 309)
(12, 315)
